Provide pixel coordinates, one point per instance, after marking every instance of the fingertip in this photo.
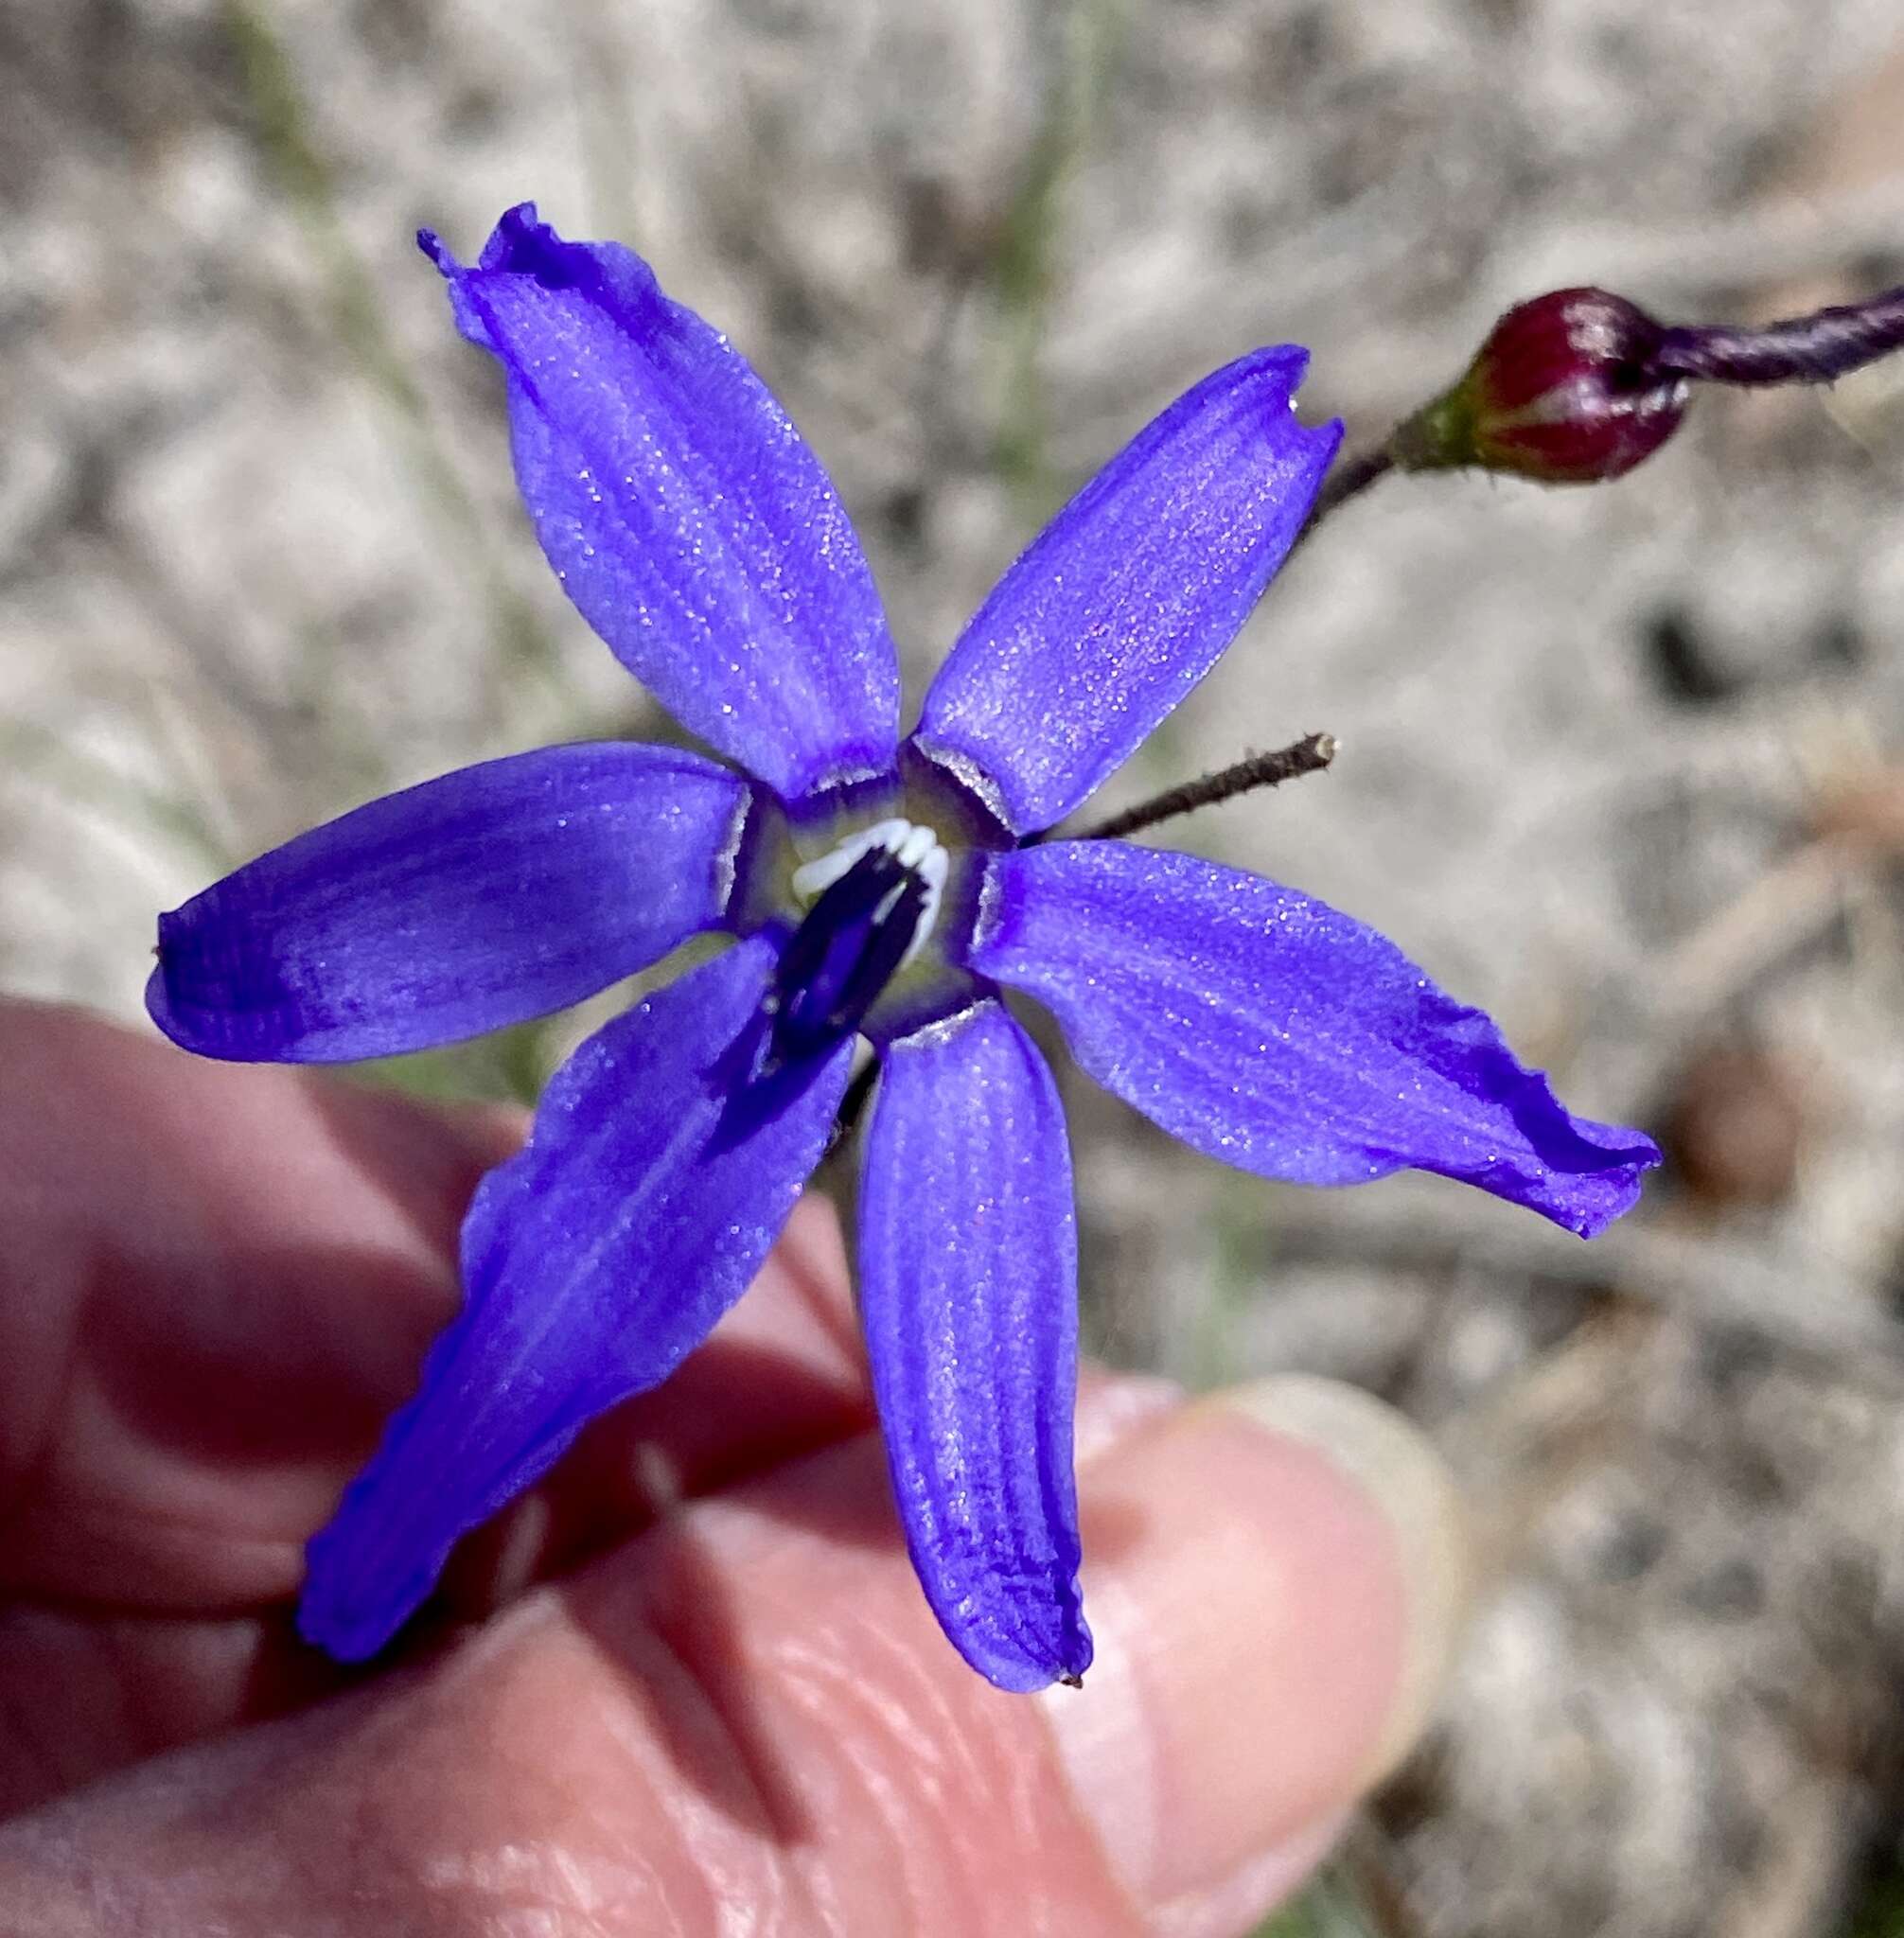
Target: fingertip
(1275, 1577)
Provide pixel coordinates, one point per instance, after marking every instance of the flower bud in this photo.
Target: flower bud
(1564, 391)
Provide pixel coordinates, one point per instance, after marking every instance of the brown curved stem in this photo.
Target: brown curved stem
(1309, 755)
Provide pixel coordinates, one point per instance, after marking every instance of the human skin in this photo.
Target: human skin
(690, 1675)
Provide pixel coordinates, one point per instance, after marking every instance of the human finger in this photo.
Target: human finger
(750, 1711)
(219, 1282)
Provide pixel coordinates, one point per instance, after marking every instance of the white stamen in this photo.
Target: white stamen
(917, 845)
(917, 849)
(813, 879)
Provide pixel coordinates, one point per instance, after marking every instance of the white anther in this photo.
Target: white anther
(813, 879)
(918, 844)
(916, 848)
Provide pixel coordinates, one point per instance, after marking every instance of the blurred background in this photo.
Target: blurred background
(1626, 764)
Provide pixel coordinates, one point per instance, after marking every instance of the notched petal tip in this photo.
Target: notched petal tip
(522, 243)
(1131, 593)
(438, 251)
(1275, 1034)
(197, 1012)
(1577, 1172)
(593, 1262)
(519, 242)
(687, 519)
(1325, 444)
(1022, 1670)
(1288, 364)
(175, 1021)
(158, 999)
(1586, 1193)
(1282, 369)
(488, 896)
(350, 1613)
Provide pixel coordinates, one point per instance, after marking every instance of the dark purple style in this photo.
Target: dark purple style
(876, 888)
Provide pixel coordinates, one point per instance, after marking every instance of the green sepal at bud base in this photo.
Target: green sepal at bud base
(1562, 391)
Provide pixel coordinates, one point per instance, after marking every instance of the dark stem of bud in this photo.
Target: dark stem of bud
(1817, 348)
(1348, 479)
(1309, 755)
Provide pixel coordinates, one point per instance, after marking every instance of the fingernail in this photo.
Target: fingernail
(1247, 1896)
(1275, 1577)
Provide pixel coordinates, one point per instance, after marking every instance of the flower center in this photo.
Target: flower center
(871, 905)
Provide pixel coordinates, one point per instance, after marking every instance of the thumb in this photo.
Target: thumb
(1269, 1646)
(749, 1714)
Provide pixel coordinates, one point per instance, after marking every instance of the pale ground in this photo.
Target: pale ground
(260, 559)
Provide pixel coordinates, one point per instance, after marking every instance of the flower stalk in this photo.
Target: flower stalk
(1351, 479)
(1309, 755)
(1819, 347)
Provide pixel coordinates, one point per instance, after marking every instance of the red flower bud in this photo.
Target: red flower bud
(1564, 391)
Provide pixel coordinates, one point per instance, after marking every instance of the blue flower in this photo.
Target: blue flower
(876, 887)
